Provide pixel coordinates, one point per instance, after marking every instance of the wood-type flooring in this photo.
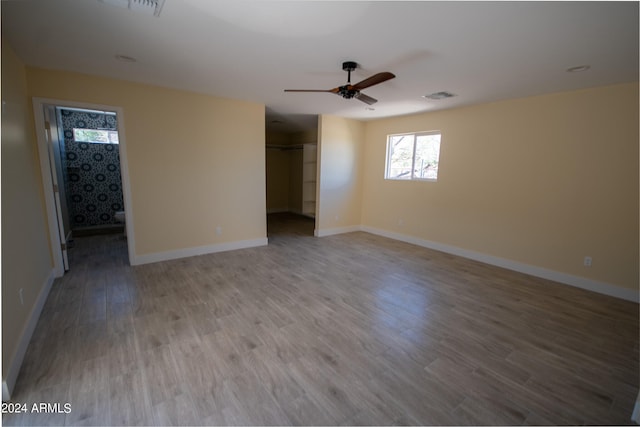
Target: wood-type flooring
(351, 329)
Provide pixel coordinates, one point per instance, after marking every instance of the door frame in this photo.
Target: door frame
(47, 180)
(53, 138)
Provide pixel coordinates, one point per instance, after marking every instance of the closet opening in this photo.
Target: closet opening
(291, 179)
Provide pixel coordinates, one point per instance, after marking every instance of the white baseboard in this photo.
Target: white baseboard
(15, 363)
(339, 230)
(567, 279)
(635, 417)
(199, 250)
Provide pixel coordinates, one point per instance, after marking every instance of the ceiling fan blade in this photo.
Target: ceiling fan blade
(365, 98)
(334, 90)
(374, 80)
(306, 90)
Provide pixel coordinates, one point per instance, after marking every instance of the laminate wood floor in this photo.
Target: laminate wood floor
(349, 329)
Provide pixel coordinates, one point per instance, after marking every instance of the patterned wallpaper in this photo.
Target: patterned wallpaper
(94, 186)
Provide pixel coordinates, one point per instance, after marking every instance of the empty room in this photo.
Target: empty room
(267, 212)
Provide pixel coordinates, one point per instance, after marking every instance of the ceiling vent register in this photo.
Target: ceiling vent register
(439, 95)
(145, 7)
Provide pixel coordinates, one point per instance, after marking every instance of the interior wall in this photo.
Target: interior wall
(278, 165)
(340, 167)
(196, 162)
(309, 136)
(543, 181)
(277, 138)
(26, 259)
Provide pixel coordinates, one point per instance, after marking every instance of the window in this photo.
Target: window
(95, 136)
(413, 156)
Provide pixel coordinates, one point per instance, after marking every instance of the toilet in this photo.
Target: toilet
(120, 218)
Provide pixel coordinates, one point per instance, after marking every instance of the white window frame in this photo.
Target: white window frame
(413, 157)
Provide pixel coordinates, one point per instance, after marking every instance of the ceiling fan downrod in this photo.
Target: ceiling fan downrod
(349, 66)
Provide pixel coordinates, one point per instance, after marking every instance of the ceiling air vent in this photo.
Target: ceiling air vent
(439, 95)
(145, 7)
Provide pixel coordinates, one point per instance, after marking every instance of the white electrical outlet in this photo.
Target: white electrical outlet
(21, 297)
(587, 261)
(218, 230)
(401, 222)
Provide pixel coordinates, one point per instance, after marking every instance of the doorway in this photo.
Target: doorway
(291, 186)
(291, 177)
(90, 163)
(84, 172)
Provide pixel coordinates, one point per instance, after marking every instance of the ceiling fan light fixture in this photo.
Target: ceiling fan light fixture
(436, 96)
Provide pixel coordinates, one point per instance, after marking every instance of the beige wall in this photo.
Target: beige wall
(278, 165)
(306, 137)
(195, 162)
(26, 260)
(340, 161)
(543, 181)
(277, 138)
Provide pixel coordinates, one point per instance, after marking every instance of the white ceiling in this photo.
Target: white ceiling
(253, 50)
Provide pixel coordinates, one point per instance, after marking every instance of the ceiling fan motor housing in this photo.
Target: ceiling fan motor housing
(347, 93)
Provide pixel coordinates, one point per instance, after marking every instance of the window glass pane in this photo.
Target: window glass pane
(400, 157)
(427, 155)
(95, 136)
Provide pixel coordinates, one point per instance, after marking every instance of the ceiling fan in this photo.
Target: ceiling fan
(349, 91)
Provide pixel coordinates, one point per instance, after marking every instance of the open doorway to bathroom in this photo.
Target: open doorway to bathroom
(90, 157)
(83, 177)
